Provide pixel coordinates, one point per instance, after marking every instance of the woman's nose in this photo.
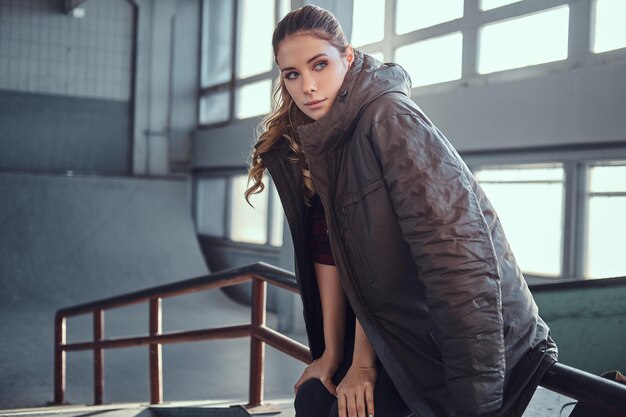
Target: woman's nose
(309, 85)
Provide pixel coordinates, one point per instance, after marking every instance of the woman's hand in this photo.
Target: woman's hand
(355, 393)
(323, 369)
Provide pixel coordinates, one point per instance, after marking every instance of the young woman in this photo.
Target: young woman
(413, 302)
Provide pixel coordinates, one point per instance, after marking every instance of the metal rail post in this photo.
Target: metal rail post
(98, 357)
(257, 346)
(156, 362)
(59, 359)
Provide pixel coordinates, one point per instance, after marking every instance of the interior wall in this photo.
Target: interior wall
(185, 81)
(586, 322)
(50, 132)
(167, 79)
(577, 106)
(65, 86)
(113, 92)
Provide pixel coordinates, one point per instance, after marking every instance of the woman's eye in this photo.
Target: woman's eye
(320, 65)
(291, 75)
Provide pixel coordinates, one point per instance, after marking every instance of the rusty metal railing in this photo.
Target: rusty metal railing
(574, 383)
(260, 274)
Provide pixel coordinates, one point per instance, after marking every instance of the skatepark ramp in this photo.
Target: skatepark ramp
(68, 239)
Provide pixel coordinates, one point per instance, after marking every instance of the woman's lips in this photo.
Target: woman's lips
(316, 104)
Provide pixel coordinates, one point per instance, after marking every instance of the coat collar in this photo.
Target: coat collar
(366, 80)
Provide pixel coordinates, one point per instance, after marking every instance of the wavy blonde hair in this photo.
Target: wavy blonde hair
(281, 123)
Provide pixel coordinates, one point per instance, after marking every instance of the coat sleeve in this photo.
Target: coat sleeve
(450, 242)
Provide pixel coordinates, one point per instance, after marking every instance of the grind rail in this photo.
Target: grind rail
(574, 383)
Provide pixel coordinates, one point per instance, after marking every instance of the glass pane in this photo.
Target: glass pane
(417, 14)
(255, 45)
(524, 41)
(368, 21)
(607, 179)
(277, 220)
(434, 60)
(217, 21)
(248, 224)
(285, 7)
(254, 99)
(377, 55)
(492, 4)
(210, 206)
(609, 25)
(607, 229)
(520, 174)
(534, 231)
(214, 107)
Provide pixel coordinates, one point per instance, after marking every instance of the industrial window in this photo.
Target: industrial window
(492, 4)
(216, 61)
(368, 21)
(606, 227)
(255, 50)
(439, 59)
(418, 14)
(463, 43)
(262, 224)
(222, 211)
(491, 39)
(237, 63)
(254, 99)
(248, 224)
(378, 55)
(214, 107)
(608, 25)
(452, 41)
(216, 42)
(562, 214)
(210, 199)
(524, 41)
(529, 202)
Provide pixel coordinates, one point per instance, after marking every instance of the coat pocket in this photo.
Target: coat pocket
(375, 250)
(369, 187)
(352, 218)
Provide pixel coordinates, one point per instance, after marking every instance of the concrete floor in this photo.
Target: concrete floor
(544, 404)
(211, 370)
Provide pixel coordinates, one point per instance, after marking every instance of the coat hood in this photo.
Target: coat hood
(366, 80)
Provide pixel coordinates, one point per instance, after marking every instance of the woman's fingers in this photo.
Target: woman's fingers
(321, 370)
(351, 402)
(328, 383)
(305, 376)
(355, 393)
(297, 384)
(369, 400)
(341, 405)
(359, 403)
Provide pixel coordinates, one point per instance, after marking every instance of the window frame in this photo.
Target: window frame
(576, 162)
(534, 165)
(579, 52)
(588, 195)
(234, 83)
(228, 175)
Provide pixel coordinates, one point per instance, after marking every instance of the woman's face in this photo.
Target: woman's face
(313, 71)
